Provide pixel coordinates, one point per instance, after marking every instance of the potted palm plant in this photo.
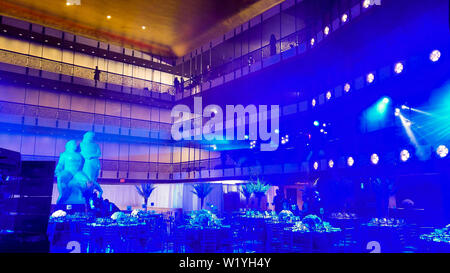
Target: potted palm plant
(260, 189)
(145, 190)
(202, 190)
(247, 191)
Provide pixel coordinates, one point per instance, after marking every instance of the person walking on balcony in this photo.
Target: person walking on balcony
(176, 85)
(273, 45)
(96, 75)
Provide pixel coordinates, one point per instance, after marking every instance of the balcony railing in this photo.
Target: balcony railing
(67, 69)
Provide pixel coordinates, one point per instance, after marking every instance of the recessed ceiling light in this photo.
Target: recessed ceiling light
(108, 17)
(143, 27)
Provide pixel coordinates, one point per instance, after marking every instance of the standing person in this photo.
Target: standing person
(278, 201)
(182, 85)
(96, 75)
(176, 84)
(273, 45)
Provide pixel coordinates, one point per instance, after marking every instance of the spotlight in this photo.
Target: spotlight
(366, 4)
(246, 137)
(374, 159)
(108, 17)
(277, 131)
(370, 78)
(385, 100)
(404, 107)
(442, 151)
(347, 87)
(324, 125)
(326, 30)
(435, 55)
(328, 95)
(321, 130)
(316, 123)
(398, 68)
(331, 163)
(404, 155)
(312, 41)
(350, 161)
(397, 112)
(344, 18)
(143, 27)
(313, 102)
(214, 147)
(316, 165)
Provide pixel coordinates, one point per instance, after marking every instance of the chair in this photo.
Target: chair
(209, 241)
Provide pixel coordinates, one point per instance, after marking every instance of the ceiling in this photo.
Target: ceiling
(172, 27)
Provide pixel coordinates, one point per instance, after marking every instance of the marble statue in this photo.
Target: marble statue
(77, 172)
(91, 153)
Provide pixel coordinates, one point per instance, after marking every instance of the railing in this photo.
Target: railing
(44, 64)
(288, 46)
(18, 113)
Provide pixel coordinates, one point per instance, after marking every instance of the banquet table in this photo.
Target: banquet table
(200, 239)
(104, 235)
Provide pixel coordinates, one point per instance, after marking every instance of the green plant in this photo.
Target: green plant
(145, 190)
(247, 191)
(202, 190)
(259, 190)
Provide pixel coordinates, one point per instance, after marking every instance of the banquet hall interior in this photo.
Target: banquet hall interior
(199, 126)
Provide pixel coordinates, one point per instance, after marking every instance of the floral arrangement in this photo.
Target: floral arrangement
(204, 218)
(285, 215)
(118, 215)
(58, 213)
(312, 223)
(438, 235)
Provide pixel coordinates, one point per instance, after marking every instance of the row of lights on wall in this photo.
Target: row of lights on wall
(435, 55)
(344, 19)
(441, 151)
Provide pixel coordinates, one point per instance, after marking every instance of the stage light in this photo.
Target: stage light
(321, 130)
(316, 123)
(246, 137)
(404, 107)
(326, 30)
(397, 112)
(385, 100)
(404, 155)
(316, 165)
(214, 147)
(313, 102)
(328, 95)
(435, 55)
(324, 125)
(366, 4)
(350, 161)
(143, 27)
(331, 163)
(277, 131)
(108, 17)
(312, 41)
(370, 77)
(344, 18)
(442, 151)
(398, 68)
(374, 159)
(347, 87)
